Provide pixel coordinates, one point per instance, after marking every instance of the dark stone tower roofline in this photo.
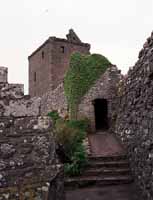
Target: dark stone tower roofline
(55, 39)
(49, 62)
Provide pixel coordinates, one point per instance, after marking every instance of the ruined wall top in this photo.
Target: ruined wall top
(3, 74)
(72, 36)
(13, 102)
(144, 64)
(134, 123)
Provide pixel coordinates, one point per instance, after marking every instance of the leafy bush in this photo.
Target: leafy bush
(70, 134)
(79, 124)
(54, 116)
(78, 162)
(83, 71)
(65, 136)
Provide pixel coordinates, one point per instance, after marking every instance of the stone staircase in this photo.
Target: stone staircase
(102, 171)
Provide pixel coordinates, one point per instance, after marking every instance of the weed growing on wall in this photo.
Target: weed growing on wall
(83, 71)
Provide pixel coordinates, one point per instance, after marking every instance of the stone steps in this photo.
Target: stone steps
(111, 170)
(107, 158)
(109, 164)
(107, 171)
(78, 182)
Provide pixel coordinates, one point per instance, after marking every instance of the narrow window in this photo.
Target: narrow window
(42, 54)
(62, 49)
(35, 76)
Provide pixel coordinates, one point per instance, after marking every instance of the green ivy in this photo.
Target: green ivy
(83, 71)
(70, 134)
(54, 115)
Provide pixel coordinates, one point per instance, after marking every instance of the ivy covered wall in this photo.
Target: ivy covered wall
(83, 71)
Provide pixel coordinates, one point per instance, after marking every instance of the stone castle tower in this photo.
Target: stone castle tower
(48, 63)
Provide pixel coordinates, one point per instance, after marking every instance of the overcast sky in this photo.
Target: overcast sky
(115, 28)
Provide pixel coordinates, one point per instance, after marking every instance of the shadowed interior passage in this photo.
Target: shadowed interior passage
(101, 114)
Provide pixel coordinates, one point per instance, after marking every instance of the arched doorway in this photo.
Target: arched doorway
(101, 114)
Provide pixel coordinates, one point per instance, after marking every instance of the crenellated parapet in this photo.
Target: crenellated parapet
(13, 102)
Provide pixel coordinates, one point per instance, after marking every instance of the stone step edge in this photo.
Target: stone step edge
(106, 170)
(113, 157)
(107, 178)
(78, 183)
(121, 162)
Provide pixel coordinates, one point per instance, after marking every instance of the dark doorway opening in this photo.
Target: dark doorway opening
(101, 114)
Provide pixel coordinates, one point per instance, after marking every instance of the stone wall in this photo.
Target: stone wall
(104, 88)
(28, 168)
(61, 52)
(14, 103)
(135, 118)
(40, 70)
(54, 100)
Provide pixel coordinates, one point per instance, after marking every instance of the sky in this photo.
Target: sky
(116, 29)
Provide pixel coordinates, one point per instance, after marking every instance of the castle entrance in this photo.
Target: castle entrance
(101, 114)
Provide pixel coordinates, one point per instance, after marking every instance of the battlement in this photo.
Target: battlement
(3, 74)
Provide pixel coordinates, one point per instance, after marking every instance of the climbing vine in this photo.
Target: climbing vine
(83, 71)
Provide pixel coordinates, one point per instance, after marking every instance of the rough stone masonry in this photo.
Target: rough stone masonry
(135, 118)
(104, 88)
(28, 169)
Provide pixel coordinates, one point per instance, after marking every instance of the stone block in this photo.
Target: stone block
(20, 107)
(11, 91)
(3, 74)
